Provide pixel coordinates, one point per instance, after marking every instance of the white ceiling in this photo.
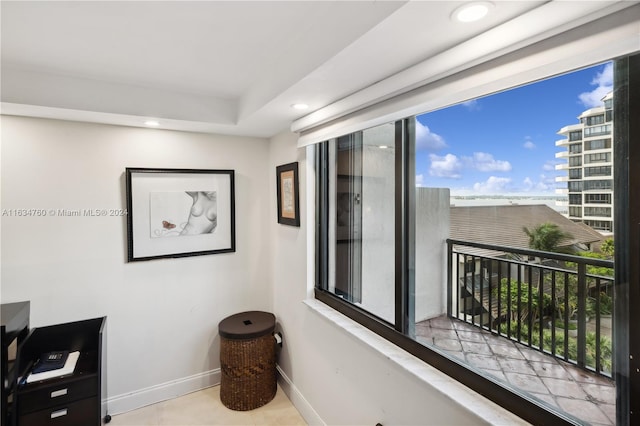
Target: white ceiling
(231, 67)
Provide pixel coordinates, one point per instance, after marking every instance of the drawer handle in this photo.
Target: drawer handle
(60, 392)
(59, 413)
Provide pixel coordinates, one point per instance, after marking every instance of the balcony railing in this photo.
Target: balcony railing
(558, 304)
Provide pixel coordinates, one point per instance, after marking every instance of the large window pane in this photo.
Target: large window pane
(363, 220)
(532, 321)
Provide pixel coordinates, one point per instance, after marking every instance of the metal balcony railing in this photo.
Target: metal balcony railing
(558, 304)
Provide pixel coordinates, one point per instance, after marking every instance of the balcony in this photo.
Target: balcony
(535, 320)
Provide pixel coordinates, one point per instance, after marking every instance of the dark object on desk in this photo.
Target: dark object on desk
(14, 330)
(50, 361)
(247, 360)
(77, 399)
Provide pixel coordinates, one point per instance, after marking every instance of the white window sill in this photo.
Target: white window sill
(466, 398)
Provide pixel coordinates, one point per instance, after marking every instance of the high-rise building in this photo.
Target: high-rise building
(589, 167)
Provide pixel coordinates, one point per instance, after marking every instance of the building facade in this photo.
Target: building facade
(589, 167)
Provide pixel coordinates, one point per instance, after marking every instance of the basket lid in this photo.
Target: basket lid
(247, 325)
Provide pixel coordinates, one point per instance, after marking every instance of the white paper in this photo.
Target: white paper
(69, 367)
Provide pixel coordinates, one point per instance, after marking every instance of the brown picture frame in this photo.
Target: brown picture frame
(287, 185)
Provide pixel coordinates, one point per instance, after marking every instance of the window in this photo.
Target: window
(575, 161)
(362, 247)
(575, 186)
(597, 211)
(575, 135)
(597, 130)
(597, 184)
(575, 211)
(601, 157)
(608, 104)
(596, 119)
(379, 208)
(597, 199)
(600, 225)
(575, 148)
(575, 173)
(575, 198)
(597, 171)
(597, 144)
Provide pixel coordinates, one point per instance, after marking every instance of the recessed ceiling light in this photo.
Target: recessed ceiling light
(151, 123)
(299, 106)
(383, 146)
(471, 12)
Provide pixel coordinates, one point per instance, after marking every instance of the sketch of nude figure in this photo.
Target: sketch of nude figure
(203, 217)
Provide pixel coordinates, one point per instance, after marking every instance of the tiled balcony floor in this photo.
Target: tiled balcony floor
(586, 396)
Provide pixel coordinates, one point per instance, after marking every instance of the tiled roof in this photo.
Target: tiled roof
(503, 225)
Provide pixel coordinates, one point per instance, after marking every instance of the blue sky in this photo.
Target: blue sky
(505, 143)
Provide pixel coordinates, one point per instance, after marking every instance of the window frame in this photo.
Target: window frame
(627, 244)
(627, 238)
(575, 135)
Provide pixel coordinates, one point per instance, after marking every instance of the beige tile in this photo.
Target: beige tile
(204, 408)
(278, 411)
(145, 416)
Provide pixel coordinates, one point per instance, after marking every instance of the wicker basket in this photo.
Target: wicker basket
(248, 366)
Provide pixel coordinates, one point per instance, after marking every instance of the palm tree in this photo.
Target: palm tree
(547, 237)
(607, 247)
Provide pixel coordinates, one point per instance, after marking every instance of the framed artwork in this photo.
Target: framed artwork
(288, 202)
(179, 212)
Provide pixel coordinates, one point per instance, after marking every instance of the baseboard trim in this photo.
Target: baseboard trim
(298, 400)
(162, 392)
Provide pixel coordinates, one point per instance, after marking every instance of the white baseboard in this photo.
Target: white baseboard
(298, 400)
(141, 398)
(130, 401)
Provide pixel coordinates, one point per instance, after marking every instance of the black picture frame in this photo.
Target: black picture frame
(173, 213)
(288, 194)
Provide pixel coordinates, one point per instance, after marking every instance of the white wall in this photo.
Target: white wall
(432, 231)
(162, 314)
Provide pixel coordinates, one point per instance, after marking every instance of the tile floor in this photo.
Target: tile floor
(589, 397)
(204, 408)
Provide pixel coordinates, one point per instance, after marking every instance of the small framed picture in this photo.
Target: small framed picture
(288, 201)
(179, 213)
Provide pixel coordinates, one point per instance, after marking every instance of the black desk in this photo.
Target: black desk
(14, 329)
(75, 399)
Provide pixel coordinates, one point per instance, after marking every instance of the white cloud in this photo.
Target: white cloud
(471, 105)
(427, 140)
(604, 84)
(419, 180)
(527, 183)
(493, 185)
(529, 145)
(550, 165)
(545, 184)
(448, 166)
(486, 163)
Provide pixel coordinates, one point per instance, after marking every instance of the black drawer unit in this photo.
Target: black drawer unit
(14, 329)
(78, 398)
(72, 414)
